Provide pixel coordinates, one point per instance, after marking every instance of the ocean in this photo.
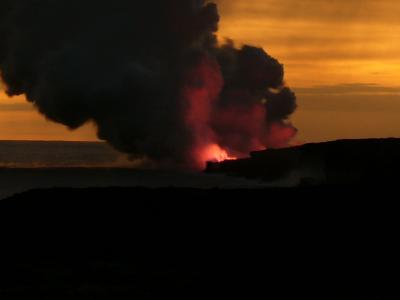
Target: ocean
(26, 165)
(36, 154)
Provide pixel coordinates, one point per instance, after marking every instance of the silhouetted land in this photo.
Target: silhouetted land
(366, 161)
(114, 243)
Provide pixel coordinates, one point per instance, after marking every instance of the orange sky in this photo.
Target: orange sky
(20, 121)
(341, 57)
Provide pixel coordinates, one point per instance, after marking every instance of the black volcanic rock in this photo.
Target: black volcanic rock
(342, 161)
(136, 243)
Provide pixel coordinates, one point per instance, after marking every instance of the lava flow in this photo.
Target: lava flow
(214, 153)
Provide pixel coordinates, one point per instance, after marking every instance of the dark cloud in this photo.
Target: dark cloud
(124, 64)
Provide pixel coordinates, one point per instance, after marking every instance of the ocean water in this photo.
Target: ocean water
(32, 154)
(33, 165)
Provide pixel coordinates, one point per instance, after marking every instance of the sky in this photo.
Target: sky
(341, 58)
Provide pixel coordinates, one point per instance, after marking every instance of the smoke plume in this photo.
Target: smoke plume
(150, 75)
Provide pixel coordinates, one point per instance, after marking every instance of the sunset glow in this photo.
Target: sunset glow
(329, 48)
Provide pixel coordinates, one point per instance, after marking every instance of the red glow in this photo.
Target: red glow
(230, 131)
(203, 84)
(241, 128)
(279, 135)
(214, 153)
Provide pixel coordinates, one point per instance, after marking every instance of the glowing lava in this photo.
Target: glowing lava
(215, 153)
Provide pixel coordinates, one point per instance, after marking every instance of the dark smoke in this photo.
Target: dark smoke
(129, 66)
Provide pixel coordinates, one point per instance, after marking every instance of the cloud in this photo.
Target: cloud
(350, 88)
(354, 97)
(320, 11)
(149, 74)
(317, 30)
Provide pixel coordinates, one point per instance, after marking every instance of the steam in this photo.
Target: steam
(150, 74)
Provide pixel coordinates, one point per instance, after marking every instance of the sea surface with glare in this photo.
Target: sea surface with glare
(26, 165)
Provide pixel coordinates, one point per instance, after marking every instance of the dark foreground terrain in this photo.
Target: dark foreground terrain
(134, 243)
(337, 162)
(17, 180)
